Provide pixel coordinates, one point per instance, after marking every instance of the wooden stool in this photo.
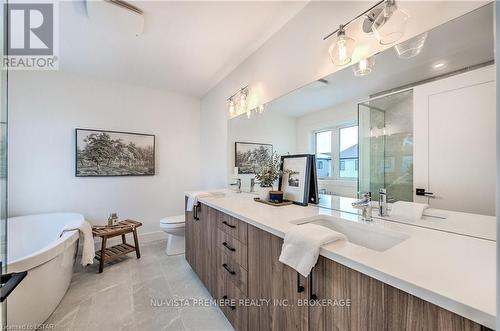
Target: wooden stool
(120, 229)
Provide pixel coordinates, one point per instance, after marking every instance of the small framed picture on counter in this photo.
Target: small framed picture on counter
(295, 182)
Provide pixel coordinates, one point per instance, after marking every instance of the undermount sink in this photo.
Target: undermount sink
(362, 234)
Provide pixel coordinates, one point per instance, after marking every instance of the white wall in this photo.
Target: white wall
(267, 128)
(343, 114)
(293, 57)
(44, 110)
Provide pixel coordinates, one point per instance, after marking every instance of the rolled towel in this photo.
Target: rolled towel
(85, 231)
(300, 249)
(407, 210)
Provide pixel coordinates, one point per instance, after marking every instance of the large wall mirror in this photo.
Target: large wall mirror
(417, 120)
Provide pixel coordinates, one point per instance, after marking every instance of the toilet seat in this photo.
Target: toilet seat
(172, 225)
(179, 219)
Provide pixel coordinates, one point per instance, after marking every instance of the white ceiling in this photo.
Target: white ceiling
(186, 47)
(460, 43)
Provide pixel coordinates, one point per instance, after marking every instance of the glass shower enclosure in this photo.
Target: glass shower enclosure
(3, 172)
(386, 145)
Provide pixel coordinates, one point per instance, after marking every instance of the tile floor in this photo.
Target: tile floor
(120, 297)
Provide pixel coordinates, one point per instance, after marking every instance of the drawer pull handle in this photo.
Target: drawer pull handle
(228, 247)
(196, 209)
(225, 298)
(228, 270)
(300, 288)
(227, 224)
(312, 295)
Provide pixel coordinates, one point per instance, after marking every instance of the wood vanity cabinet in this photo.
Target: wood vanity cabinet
(238, 261)
(272, 280)
(201, 226)
(374, 305)
(189, 237)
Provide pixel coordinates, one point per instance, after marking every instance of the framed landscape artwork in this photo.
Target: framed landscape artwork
(102, 153)
(249, 156)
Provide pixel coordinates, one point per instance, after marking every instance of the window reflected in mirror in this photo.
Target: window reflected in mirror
(348, 156)
(324, 154)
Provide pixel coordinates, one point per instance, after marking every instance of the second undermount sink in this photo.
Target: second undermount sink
(363, 234)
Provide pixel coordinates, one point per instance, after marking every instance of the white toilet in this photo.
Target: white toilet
(174, 227)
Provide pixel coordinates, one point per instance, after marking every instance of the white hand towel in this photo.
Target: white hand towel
(193, 199)
(302, 243)
(85, 231)
(194, 196)
(407, 210)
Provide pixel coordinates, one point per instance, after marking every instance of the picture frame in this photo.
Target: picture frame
(296, 186)
(107, 153)
(247, 155)
(313, 185)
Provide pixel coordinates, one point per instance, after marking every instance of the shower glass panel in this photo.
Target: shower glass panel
(386, 145)
(3, 170)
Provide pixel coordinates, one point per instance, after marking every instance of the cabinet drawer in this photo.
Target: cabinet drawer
(228, 269)
(232, 308)
(232, 247)
(232, 226)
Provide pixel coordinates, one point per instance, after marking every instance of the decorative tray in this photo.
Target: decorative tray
(280, 204)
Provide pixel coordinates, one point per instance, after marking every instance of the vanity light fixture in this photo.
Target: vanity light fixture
(364, 67)
(237, 103)
(243, 99)
(230, 105)
(390, 25)
(341, 50)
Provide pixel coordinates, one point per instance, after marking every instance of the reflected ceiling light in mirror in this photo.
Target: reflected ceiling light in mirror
(411, 47)
(341, 50)
(364, 67)
(439, 65)
(390, 25)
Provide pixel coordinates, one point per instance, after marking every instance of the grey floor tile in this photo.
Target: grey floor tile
(121, 297)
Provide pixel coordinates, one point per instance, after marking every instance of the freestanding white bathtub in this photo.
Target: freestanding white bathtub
(34, 245)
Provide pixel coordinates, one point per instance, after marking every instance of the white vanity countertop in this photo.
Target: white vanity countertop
(453, 271)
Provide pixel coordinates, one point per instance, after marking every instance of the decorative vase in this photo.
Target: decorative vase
(276, 196)
(264, 193)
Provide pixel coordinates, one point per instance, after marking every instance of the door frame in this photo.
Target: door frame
(421, 96)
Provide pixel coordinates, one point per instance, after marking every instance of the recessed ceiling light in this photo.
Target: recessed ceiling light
(439, 65)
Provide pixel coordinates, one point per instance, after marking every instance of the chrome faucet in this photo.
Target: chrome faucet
(382, 202)
(237, 184)
(365, 204)
(252, 185)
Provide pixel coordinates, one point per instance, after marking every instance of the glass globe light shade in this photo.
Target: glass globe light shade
(390, 25)
(364, 67)
(341, 50)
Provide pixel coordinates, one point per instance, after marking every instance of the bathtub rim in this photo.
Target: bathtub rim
(48, 252)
